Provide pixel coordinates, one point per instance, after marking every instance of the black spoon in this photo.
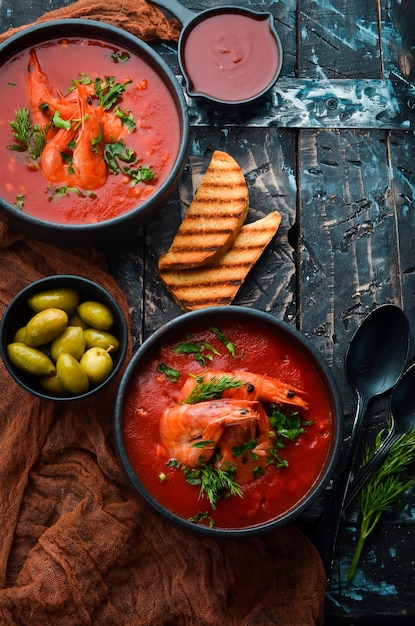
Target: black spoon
(374, 362)
(402, 417)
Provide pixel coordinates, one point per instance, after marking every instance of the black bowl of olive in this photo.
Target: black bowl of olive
(63, 337)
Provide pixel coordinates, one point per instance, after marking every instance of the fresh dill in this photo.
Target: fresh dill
(213, 482)
(211, 389)
(383, 488)
(26, 136)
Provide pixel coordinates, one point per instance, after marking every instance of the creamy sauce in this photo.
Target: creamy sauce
(231, 57)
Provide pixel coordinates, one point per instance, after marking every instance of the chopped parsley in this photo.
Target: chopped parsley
(201, 350)
(223, 339)
(109, 92)
(172, 374)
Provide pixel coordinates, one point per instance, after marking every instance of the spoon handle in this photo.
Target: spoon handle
(365, 473)
(327, 530)
(183, 14)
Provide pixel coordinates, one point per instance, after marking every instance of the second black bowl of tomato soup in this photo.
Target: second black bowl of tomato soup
(228, 422)
(94, 132)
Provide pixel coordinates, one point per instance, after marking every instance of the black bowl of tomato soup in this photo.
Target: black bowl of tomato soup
(228, 422)
(94, 132)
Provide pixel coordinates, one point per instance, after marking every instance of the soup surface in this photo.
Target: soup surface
(108, 124)
(267, 484)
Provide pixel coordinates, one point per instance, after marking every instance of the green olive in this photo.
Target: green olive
(65, 298)
(75, 320)
(30, 360)
(20, 334)
(71, 374)
(96, 314)
(95, 338)
(71, 340)
(53, 385)
(97, 364)
(45, 326)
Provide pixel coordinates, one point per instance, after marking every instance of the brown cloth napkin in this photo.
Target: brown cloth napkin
(77, 546)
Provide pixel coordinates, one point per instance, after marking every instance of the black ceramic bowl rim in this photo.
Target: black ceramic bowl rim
(185, 323)
(91, 290)
(205, 14)
(84, 234)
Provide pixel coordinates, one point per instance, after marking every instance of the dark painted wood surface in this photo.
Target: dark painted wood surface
(344, 185)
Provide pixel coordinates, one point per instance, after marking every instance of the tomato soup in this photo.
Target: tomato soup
(111, 130)
(231, 57)
(262, 496)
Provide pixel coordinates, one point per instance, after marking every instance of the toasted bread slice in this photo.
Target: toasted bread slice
(214, 218)
(217, 285)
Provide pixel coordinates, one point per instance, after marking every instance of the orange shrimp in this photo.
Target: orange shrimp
(112, 127)
(238, 434)
(89, 169)
(52, 162)
(257, 387)
(40, 89)
(45, 99)
(190, 432)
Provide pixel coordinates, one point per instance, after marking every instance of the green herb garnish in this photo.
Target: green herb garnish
(109, 92)
(200, 516)
(59, 122)
(383, 488)
(26, 137)
(172, 374)
(19, 201)
(118, 151)
(202, 351)
(127, 119)
(223, 339)
(214, 482)
(140, 174)
(211, 389)
(288, 426)
(120, 57)
(65, 190)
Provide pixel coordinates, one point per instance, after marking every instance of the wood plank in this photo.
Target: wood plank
(316, 103)
(349, 254)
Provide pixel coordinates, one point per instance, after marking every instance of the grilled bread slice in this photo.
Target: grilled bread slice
(214, 218)
(217, 284)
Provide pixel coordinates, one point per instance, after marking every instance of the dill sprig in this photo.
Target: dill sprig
(211, 389)
(214, 482)
(383, 488)
(26, 136)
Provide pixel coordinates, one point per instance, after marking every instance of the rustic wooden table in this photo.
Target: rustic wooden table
(332, 148)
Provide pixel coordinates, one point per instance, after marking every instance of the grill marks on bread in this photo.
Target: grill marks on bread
(214, 218)
(218, 283)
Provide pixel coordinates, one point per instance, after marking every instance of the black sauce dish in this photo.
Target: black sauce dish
(184, 325)
(228, 55)
(18, 312)
(111, 229)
